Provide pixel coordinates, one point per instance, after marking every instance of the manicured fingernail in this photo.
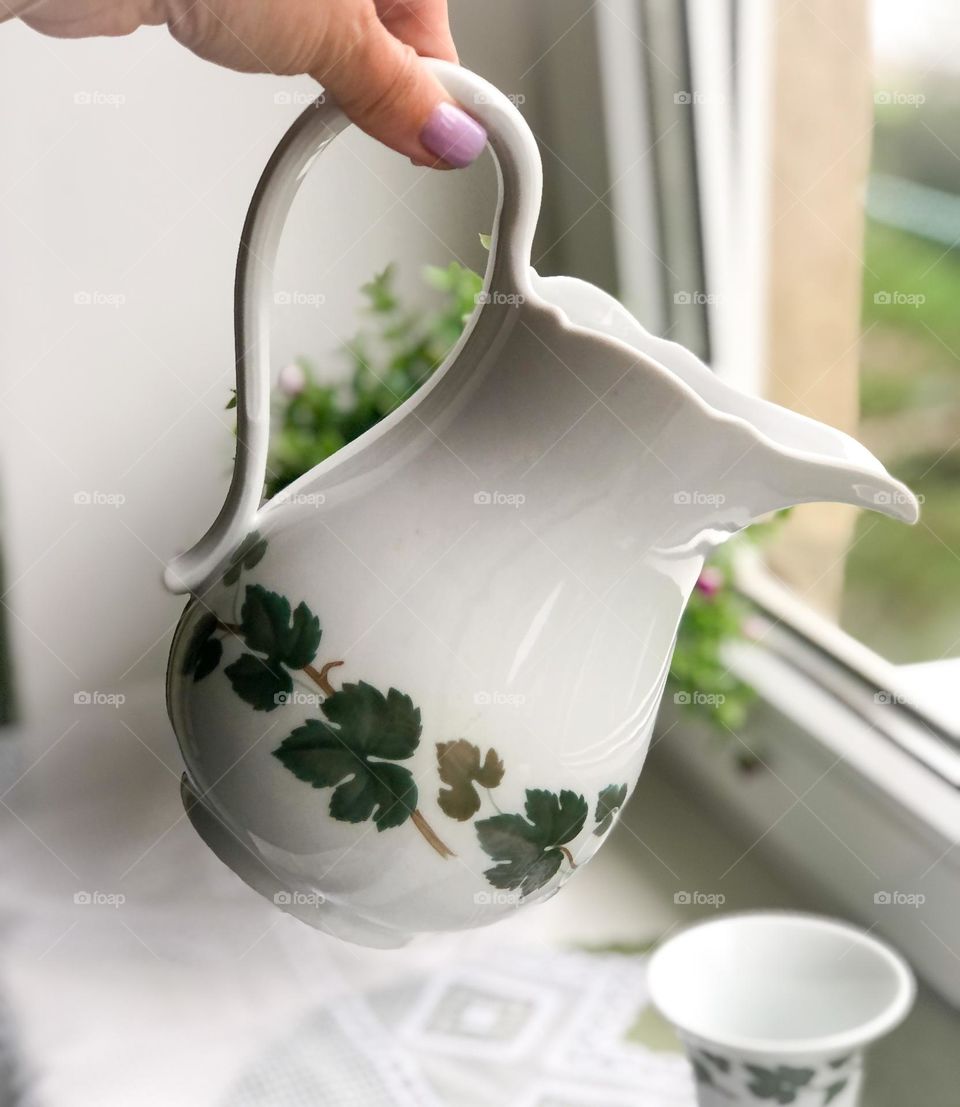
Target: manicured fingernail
(453, 135)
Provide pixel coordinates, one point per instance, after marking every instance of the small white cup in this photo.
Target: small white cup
(776, 1008)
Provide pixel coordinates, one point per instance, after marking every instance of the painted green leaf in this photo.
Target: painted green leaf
(831, 1093)
(461, 770)
(612, 798)
(208, 658)
(353, 751)
(204, 651)
(780, 1084)
(528, 849)
(249, 554)
(718, 1062)
(700, 1071)
(259, 681)
(839, 1062)
(486, 240)
(268, 627)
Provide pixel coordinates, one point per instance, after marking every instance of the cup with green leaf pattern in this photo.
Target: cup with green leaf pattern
(778, 1008)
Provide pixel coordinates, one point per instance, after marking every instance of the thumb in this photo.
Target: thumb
(384, 87)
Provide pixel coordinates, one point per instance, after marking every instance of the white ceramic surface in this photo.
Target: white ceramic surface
(500, 566)
(779, 1007)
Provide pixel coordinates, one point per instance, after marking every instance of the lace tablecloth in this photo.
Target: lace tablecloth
(525, 1028)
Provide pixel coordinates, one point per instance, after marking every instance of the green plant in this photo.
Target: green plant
(389, 359)
(395, 352)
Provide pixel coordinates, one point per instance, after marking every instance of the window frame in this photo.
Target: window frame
(733, 121)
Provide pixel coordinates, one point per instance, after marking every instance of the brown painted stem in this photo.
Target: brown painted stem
(320, 678)
(569, 856)
(428, 832)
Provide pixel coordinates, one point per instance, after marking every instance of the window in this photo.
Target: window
(798, 120)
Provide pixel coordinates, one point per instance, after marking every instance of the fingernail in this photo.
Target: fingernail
(453, 135)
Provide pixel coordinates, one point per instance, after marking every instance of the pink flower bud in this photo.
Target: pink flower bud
(710, 581)
(292, 380)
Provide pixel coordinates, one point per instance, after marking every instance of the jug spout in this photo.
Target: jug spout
(847, 474)
(764, 458)
(750, 456)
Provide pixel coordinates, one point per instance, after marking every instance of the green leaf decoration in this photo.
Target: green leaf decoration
(528, 849)
(259, 681)
(831, 1093)
(612, 798)
(354, 751)
(700, 1071)
(780, 1084)
(718, 1062)
(249, 554)
(840, 1061)
(267, 627)
(204, 652)
(486, 241)
(461, 769)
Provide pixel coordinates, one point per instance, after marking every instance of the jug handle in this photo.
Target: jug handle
(519, 175)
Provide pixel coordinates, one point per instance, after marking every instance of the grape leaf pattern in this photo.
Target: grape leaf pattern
(612, 798)
(781, 1084)
(355, 750)
(461, 770)
(831, 1093)
(249, 554)
(289, 640)
(204, 651)
(529, 851)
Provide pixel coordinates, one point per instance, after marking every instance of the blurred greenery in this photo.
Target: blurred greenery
(388, 360)
(902, 585)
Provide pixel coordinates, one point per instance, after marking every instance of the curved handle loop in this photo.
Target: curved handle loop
(520, 179)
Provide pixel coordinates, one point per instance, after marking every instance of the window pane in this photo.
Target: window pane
(902, 586)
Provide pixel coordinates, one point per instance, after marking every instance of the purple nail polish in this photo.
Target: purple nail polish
(453, 135)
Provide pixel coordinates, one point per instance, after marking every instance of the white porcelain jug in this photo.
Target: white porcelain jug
(413, 690)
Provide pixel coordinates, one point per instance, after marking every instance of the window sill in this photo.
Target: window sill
(835, 802)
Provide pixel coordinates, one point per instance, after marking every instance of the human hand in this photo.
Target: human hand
(366, 53)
